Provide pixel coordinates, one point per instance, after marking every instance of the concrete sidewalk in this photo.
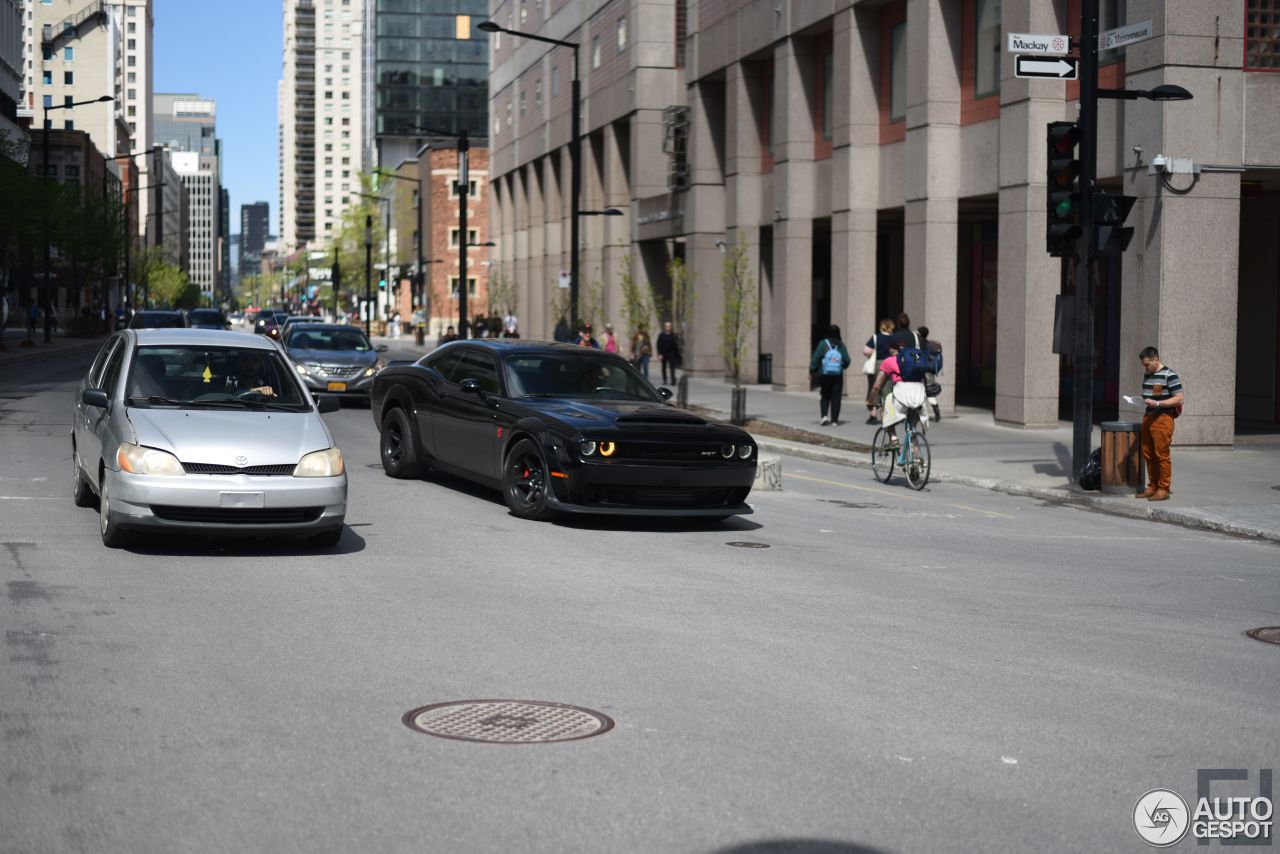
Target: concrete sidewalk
(13, 354)
(1234, 490)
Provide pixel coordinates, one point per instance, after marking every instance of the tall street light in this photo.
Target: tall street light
(463, 188)
(44, 145)
(124, 288)
(575, 159)
(386, 251)
(368, 272)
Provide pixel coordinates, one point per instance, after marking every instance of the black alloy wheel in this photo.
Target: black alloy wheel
(525, 482)
(398, 446)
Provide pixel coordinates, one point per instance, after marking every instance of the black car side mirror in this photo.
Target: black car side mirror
(664, 393)
(470, 386)
(94, 397)
(381, 348)
(328, 403)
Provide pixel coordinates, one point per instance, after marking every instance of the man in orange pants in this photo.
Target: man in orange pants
(1162, 394)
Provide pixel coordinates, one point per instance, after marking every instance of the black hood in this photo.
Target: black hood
(629, 415)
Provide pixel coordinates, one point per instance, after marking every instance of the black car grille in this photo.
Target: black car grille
(663, 496)
(659, 451)
(210, 468)
(224, 516)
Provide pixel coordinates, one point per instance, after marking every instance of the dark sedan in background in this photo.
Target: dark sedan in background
(155, 319)
(559, 429)
(334, 359)
(207, 318)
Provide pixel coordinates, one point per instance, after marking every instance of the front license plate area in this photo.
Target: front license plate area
(337, 386)
(242, 500)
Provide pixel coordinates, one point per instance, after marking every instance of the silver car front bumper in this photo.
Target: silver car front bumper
(228, 503)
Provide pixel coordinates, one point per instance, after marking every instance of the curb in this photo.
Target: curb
(1114, 506)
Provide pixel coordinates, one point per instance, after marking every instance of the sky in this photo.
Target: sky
(231, 51)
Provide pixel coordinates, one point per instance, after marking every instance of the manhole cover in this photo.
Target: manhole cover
(745, 545)
(507, 721)
(1266, 634)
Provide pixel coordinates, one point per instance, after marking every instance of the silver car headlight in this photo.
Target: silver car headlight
(137, 459)
(326, 463)
(371, 371)
(302, 369)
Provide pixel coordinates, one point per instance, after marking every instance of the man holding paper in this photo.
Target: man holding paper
(1162, 396)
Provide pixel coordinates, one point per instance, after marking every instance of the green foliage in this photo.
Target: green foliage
(681, 307)
(740, 305)
(504, 295)
(558, 302)
(638, 302)
(165, 284)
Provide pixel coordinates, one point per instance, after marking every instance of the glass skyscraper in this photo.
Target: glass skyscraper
(423, 75)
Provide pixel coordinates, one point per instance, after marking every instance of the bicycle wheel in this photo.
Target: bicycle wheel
(882, 456)
(916, 467)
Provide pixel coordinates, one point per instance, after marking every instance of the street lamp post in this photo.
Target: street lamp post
(44, 156)
(420, 283)
(368, 272)
(575, 159)
(336, 278)
(124, 288)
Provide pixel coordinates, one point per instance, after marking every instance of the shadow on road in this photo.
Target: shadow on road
(175, 545)
(798, 846)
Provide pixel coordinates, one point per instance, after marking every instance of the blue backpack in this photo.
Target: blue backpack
(912, 364)
(832, 361)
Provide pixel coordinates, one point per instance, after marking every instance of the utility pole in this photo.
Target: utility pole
(1082, 395)
(368, 273)
(464, 184)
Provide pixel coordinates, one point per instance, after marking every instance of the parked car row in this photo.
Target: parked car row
(196, 318)
(209, 431)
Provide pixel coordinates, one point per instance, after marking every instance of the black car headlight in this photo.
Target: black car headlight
(727, 451)
(588, 449)
(745, 452)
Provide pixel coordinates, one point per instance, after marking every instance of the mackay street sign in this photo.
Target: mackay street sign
(1055, 68)
(1121, 36)
(1053, 43)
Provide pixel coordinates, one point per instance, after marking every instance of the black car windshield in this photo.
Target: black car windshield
(156, 320)
(206, 316)
(576, 376)
(213, 377)
(343, 340)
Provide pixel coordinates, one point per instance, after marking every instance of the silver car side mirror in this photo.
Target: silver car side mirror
(94, 397)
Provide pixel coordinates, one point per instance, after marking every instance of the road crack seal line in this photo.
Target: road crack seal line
(13, 547)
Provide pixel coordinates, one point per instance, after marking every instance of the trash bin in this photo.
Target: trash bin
(1122, 457)
(765, 369)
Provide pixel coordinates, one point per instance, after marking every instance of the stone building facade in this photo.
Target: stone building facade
(879, 157)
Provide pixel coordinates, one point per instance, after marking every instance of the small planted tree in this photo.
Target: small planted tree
(504, 295)
(637, 299)
(681, 307)
(740, 306)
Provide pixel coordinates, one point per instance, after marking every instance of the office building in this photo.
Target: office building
(254, 226)
(321, 109)
(882, 157)
(423, 75)
(204, 215)
(11, 77)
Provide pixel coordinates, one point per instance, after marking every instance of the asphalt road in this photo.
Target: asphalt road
(953, 670)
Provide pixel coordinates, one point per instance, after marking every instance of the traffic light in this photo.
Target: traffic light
(1109, 213)
(382, 284)
(1063, 190)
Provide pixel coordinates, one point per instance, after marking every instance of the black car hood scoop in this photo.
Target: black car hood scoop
(621, 413)
(660, 417)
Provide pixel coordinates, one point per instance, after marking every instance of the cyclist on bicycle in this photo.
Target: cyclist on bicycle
(894, 407)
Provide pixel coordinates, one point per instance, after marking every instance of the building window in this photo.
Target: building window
(133, 111)
(595, 51)
(47, 78)
(132, 61)
(68, 53)
(537, 93)
(129, 11)
(898, 72)
(67, 100)
(555, 81)
(133, 28)
(828, 87)
(453, 286)
(524, 10)
(133, 93)
(48, 54)
(133, 77)
(622, 34)
(130, 44)
(987, 49)
(522, 104)
(71, 171)
(1262, 35)
(451, 184)
(68, 125)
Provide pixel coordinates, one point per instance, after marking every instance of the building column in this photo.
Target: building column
(1181, 272)
(855, 160)
(705, 218)
(1028, 279)
(932, 154)
(793, 183)
(616, 230)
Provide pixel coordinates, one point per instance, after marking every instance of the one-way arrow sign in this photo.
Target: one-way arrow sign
(1057, 68)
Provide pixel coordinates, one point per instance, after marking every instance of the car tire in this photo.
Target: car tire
(398, 446)
(113, 536)
(327, 539)
(525, 482)
(81, 493)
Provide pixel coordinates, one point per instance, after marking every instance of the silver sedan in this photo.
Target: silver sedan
(204, 431)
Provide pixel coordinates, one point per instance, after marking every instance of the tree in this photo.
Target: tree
(740, 304)
(638, 301)
(558, 302)
(504, 295)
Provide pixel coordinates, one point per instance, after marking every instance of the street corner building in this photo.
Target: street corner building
(879, 157)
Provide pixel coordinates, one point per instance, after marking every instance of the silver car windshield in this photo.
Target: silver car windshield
(576, 376)
(212, 378)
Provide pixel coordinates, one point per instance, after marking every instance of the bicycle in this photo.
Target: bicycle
(911, 456)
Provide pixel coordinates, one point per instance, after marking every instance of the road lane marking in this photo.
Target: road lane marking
(26, 498)
(991, 513)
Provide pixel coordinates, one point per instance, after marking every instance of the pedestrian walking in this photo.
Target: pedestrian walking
(933, 356)
(450, 334)
(643, 351)
(876, 350)
(829, 361)
(668, 352)
(610, 341)
(585, 338)
(33, 318)
(562, 332)
(1162, 393)
(904, 334)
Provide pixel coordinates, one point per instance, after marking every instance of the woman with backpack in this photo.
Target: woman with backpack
(829, 362)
